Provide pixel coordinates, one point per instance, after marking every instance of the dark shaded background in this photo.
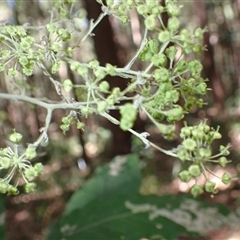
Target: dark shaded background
(30, 215)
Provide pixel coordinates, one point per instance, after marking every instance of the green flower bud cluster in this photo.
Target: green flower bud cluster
(18, 165)
(168, 131)
(60, 34)
(196, 151)
(181, 82)
(164, 104)
(150, 50)
(16, 32)
(22, 49)
(69, 120)
(118, 9)
(18, 48)
(54, 45)
(63, 7)
(128, 116)
(79, 68)
(171, 92)
(184, 77)
(114, 96)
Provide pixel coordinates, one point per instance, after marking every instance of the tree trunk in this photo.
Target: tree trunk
(107, 52)
(208, 57)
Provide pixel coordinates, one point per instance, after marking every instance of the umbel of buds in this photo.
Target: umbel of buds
(18, 166)
(195, 152)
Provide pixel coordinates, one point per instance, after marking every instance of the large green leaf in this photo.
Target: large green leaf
(122, 175)
(110, 207)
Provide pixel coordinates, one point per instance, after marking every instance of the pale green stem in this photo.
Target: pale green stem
(169, 153)
(115, 121)
(161, 51)
(143, 44)
(94, 24)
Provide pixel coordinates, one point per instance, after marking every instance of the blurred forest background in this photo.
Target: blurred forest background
(71, 159)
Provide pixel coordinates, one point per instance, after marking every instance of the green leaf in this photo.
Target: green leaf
(110, 207)
(132, 216)
(104, 183)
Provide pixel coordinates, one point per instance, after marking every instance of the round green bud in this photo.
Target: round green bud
(185, 35)
(224, 150)
(182, 154)
(206, 128)
(64, 127)
(185, 176)
(86, 111)
(226, 178)
(15, 137)
(198, 33)
(99, 73)
(161, 75)
(66, 120)
(175, 114)
(164, 36)
(210, 186)
(205, 152)
(30, 153)
(74, 65)
(4, 151)
(110, 100)
(171, 52)
(189, 144)
(196, 190)
(23, 60)
(159, 60)
(201, 88)
(110, 69)
(3, 187)
(128, 112)
(5, 162)
(56, 47)
(30, 187)
(67, 85)
(150, 22)
(69, 52)
(185, 132)
(30, 173)
(142, 9)
(150, 3)
(104, 86)
(197, 49)
(198, 134)
(80, 125)
(116, 92)
(83, 71)
(200, 103)
(38, 167)
(153, 46)
(164, 87)
(101, 106)
(173, 9)
(157, 10)
(181, 65)
(173, 24)
(12, 190)
(145, 55)
(216, 135)
(125, 124)
(93, 64)
(194, 170)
